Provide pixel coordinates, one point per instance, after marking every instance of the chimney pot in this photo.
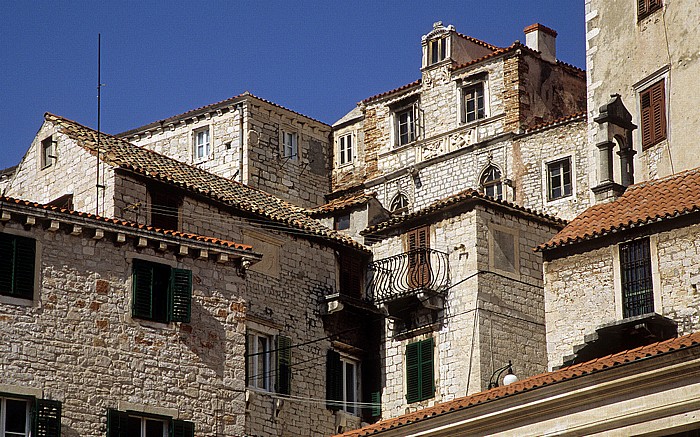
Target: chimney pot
(543, 39)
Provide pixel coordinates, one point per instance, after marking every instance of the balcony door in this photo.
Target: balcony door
(417, 242)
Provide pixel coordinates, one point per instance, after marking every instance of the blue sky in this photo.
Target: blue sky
(161, 58)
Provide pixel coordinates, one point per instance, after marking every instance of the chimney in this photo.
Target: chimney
(543, 39)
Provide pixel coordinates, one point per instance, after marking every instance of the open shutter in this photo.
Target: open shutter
(647, 119)
(181, 428)
(142, 284)
(24, 259)
(7, 251)
(334, 380)
(47, 418)
(284, 365)
(376, 399)
(117, 423)
(427, 377)
(181, 295)
(658, 109)
(413, 372)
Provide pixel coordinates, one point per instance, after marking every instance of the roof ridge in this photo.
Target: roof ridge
(477, 41)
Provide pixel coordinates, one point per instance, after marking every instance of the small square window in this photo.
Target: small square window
(406, 126)
(289, 145)
(47, 152)
(473, 103)
(345, 145)
(559, 179)
(342, 222)
(17, 267)
(161, 293)
(202, 149)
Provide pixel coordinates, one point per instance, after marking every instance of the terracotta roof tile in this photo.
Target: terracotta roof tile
(395, 90)
(641, 204)
(477, 41)
(561, 120)
(462, 196)
(532, 383)
(125, 223)
(347, 201)
(122, 154)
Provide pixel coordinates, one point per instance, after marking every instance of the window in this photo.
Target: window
(289, 145)
(342, 382)
(19, 414)
(635, 269)
(47, 152)
(652, 102)
(134, 424)
(473, 103)
(161, 293)
(351, 275)
(17, 267)
(342, 222)
(646, 7)
(202, 149)
(420, 384)
(491, 182)
(417, 241)
(346, 149)
(406, 126)
(165, 208)
(559, 179)
(259, 363)
(437, 49)
(399, 203)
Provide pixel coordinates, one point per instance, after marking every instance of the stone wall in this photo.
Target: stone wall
(78, 343)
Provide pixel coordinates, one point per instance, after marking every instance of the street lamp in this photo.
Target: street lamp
(507, 380)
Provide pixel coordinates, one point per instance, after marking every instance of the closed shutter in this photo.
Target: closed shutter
(142, 284)
(47, 418)
(7, 250)
(642, 8)
(181, 295)
(420, 383)
(117, 423)
(412, 373)
(427, 372)
(653, 116)
(182, 428)
(334, 380)
(418, 262)
(25, 256)
(284, 365)
(351, 273)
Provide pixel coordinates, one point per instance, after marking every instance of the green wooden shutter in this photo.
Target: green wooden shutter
(284, 365)
(142, 284)
(427, 369)
(182, 428)
(412, 372)
(376, 399)
(7, 255)
(117, 423)
(334, 380)
(180, 295)
(24, 259)
(47, 418)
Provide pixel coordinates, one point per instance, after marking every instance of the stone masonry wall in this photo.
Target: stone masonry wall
(78, 343)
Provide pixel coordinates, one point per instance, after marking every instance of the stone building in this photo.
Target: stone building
(288, 338)
(473, 120)
(645, 52)
(111, 327)
(250, 140)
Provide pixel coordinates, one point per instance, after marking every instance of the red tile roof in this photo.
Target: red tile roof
(120, 153)
(97, 219)
(561, 120)
(532, 383)
(202, 109)
(395, 90)
(461, 197)
(477, 41)
(641, 204)
(347, 201)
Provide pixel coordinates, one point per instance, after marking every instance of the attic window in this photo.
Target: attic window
(47, 152)
(438, 50)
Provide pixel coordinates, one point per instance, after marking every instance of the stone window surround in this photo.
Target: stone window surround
(443, 48)
(347, 358)
(294, 146)
(47, 153)
(545, 179)
(35, 301)
(353, 148)
(259, 327)
(403, 105)
(209, 154)
(130, 256)
(661, 74)
(464, 84)
(655, 275)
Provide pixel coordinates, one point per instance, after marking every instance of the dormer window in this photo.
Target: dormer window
(438, 50)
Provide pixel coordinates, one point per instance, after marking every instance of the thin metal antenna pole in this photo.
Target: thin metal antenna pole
(99, 85)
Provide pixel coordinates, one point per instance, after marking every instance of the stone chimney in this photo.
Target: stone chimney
(543, 39)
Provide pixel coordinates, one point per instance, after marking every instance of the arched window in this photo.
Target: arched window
(491, 182)
(399, 203)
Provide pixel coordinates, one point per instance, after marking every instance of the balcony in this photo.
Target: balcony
(420, 275)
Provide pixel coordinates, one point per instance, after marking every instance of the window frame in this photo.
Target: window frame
(3, 414)
(398, 208)
(346, 149)
(116, 419)
(341, 222)
(560, 162)
(437, 50)
(206, 147)
(289, 150)
(24, 268)
(653, 118)
(253, 356)
(411, 122)
(480, 111)
(337, 382)
(43, 416)
(350, 406)
(640, 265)
(48, 146)
(486, 182)
(178, 292)
(420, 370)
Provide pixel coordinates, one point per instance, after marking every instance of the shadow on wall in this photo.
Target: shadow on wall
(205, 336)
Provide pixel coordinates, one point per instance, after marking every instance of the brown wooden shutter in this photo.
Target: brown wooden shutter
(642, 8)
(418, 262)
(351, 274)
(653, 116)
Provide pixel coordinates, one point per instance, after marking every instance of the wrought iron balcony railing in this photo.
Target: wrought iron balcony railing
(406, 274)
